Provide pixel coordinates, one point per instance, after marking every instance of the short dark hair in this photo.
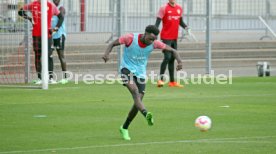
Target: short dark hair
(152, 29)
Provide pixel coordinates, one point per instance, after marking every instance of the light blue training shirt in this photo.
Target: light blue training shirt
(135, 58)
(62, 29)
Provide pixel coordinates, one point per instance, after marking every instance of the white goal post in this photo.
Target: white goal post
(44, 37)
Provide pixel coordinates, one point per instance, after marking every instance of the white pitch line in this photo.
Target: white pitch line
(217, 140)
(36, 103)
(220, 96)
(62, 88)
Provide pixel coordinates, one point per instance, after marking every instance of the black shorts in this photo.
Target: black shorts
(127, 77)
(171, 43)
(59, 43)
(37, 45)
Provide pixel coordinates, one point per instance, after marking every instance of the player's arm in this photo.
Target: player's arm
(160, 15)
(109, 49)
(183, 25)
(176, 56)
(158, 21)
(60, 21)
(160, 45)
(60, 14)
(23, 14)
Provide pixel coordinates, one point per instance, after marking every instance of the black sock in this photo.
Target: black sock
(126, 124)
(65, 74)
(39, 76)
(144, 112)
(171, 70)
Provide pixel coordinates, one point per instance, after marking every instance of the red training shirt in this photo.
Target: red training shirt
(170, 16)
(35, 8)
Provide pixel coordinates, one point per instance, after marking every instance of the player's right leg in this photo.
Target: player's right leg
(136, 87)
(60, 44)
(51, 62)
(124, 128)
(128, 80)
(124, 133)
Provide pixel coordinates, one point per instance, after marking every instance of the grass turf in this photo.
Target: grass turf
(86, 119)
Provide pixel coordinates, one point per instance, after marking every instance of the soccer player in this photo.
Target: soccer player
(133, 69)
(59, 40)
(35, 8)
(171, 16)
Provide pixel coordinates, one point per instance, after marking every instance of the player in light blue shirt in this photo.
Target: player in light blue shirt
(59, 35)
(133, 69)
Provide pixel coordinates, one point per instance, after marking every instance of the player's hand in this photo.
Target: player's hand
(55, 29)
(188, 31)
(179, 66)
(105, 57)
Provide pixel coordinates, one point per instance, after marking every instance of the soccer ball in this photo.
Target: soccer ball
(203, 123)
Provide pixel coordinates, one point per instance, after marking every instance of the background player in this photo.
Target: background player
(35, 8)
(59, 40)
(171, 16)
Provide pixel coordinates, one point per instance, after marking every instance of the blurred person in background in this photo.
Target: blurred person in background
(59, 38)
(170, 15)
(35, 9)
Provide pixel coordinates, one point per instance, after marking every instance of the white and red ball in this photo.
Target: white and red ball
(203, 123)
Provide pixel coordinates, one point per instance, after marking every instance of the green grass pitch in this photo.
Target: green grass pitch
(82, 119)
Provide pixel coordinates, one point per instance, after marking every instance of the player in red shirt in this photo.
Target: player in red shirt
(35, 8)
(171, 16)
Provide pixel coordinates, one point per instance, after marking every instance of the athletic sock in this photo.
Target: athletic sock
(65, 74)
(126, 124)
(144, 112)
(39, 75)
(171, 71)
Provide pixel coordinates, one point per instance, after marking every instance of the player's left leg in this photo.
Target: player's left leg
(60, 52)
(171, 62)
(133, 89)
(141, 84)
(171, 68)
(60, 44)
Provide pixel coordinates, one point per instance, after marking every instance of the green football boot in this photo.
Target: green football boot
(124, 133)
(149, 118)
(63, 81)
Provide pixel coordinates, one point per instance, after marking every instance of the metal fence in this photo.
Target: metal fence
(101, 16)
